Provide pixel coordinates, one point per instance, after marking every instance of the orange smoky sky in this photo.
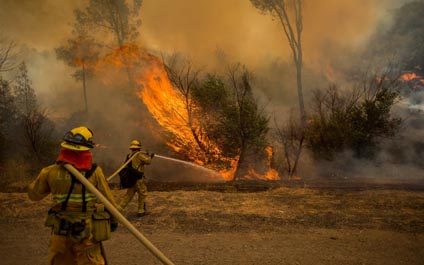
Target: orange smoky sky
(196, 28)
(200, 27)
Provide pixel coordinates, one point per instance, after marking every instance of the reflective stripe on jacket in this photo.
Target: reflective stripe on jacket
(55, 179)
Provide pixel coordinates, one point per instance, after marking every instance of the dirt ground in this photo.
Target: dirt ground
(279, 226)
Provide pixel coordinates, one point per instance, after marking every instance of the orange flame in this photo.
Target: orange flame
(165, 104)
(409, 76)
(167, 107)
(272, 174)
(414, 80)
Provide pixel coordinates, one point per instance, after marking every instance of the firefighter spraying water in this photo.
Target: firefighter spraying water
(211, 171)
(133, 178)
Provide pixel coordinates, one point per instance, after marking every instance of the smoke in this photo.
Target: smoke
(38, 23)
(201, 30)
(398, 161)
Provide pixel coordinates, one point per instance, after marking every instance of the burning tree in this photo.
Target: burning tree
(185, 78)
(233, 119)
(214, 121)
(172, 95)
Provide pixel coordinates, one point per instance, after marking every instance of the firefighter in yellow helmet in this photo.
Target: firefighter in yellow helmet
(78, 222)
(137, 180)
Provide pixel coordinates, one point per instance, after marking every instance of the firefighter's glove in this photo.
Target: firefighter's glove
(152, 155)
(113, 227)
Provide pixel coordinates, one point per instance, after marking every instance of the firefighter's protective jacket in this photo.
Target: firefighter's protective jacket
(55, 179)
(140, 160)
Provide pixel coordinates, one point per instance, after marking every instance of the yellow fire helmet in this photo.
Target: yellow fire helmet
(135, 144)
(78, 139)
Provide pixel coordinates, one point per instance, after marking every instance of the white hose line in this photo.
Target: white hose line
(118, 215)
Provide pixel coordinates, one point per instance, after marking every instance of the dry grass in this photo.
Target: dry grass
(206, 211)
(281, 226)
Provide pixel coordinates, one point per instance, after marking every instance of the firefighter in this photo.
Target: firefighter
(139, 186)
(78, 222)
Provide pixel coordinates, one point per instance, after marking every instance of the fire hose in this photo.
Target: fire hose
(109, 206)
(124, 165)
(159, 156)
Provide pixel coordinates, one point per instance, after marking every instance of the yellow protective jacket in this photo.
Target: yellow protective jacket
(140, 160)
(56, 180)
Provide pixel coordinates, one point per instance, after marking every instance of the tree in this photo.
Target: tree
(185, 78)
(210, 98)
(26, 100)
(245, 125)
(233, 118)
(103, 17)
(289, 13)
(292, 27)
(355, 121)
(7, 55)
(7, 115)
(80, 52)
(35, 125)
(115, 16)
(290, 137)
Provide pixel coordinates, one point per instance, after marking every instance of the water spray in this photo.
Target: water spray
(166, 158)
(189, 163)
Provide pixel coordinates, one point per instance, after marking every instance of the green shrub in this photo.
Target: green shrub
(356, 121)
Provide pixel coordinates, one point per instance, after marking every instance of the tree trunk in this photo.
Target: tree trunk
(84, 87)
(300, 89)
(296, 159)
(241, 169)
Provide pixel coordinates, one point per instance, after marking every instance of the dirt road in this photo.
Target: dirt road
(282, 226)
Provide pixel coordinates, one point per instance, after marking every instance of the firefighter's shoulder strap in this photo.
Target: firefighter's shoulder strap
(88, 174)
(127, 158)
(130, 163)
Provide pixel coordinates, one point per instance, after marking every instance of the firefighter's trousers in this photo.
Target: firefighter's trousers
(141, 189)
(64, 251)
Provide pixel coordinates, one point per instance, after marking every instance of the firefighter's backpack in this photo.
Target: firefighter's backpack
(128, 176)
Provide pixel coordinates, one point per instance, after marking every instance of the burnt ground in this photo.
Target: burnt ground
(245, 223)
